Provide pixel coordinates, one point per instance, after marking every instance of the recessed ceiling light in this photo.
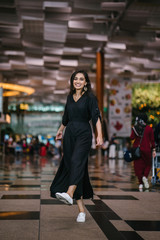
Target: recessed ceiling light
(72, 63)
(96, 37)
(14, 53)
(49, 82)
(113, 5)
(34, 61)
(59, 91)
(116, 45)
(50, 4)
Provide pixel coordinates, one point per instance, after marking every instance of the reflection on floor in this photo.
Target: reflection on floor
(118, 210)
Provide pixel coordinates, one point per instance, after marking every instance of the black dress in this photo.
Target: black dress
(73, 169)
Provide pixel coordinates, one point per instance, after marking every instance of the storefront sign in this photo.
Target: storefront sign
(120, 109)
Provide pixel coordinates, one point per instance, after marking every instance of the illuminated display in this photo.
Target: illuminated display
(24, 106)
(36, 108)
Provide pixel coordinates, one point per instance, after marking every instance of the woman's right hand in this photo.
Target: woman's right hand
(99, 141)
(59, 135)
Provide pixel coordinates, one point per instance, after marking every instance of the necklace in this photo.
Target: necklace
(76, 97)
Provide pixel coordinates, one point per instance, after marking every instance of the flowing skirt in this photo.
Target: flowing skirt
(73, 169)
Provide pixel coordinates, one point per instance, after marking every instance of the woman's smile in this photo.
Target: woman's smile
(78, 85)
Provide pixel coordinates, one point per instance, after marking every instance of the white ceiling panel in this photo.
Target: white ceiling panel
(43, 42)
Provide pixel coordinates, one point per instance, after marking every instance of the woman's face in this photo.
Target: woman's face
(79, 81)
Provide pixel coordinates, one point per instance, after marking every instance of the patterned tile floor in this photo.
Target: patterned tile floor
(118, 210)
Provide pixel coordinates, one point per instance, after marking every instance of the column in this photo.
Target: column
(100, 79)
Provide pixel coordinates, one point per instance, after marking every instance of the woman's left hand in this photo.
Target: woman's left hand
(99, 141)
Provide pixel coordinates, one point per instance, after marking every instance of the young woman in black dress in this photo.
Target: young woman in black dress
(72, 180)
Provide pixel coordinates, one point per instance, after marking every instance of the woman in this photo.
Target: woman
(112, 146)
(142, 166)
(72, 180)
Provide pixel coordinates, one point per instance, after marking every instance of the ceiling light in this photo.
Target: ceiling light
(49, 82)
(35, 61)
(14, 53)
(111, 56)
(72, 63)
(11, 93)
(79, 24)
(55, 32)
(53, 50)
(139, 60)
(71, 50)
(115, 65)
(59, 91)
(97, 37)
(5, 66)
(87, 49)
(129, 68)
(89, 55)
(59, 78)
(50, 4)
(16, 87)
(51, 59)
(152, 64)
(121, 46)
(26, 81)
(113, 5)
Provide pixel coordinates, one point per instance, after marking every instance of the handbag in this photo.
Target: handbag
(136, 152)
(133, 153)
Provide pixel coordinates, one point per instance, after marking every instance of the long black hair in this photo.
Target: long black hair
(142, 116)
(72, 90)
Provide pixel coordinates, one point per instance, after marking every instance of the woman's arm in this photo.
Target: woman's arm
(60, 132)
(99, 133)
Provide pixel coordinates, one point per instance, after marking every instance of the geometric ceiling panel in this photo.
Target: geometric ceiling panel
(43, 42)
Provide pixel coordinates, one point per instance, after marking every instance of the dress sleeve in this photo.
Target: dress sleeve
(65, 115)
(94, 110)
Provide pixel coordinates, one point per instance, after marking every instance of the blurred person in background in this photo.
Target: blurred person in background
(43, 150)
(36, 146)
(142, 166)
(112, 146)
(47, 144)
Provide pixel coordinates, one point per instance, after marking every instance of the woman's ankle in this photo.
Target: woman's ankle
(70, 194)
(81, 211)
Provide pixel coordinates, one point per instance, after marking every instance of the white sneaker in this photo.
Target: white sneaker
(81, 217)
(145, 181)
(64, 197)
(140, 187)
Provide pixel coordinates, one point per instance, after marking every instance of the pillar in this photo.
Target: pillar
(100, 79)
(99, 92)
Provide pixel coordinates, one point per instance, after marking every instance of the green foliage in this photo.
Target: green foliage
(146, 98)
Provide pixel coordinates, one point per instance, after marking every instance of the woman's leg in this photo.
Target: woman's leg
(139, 169)
(147, 171)
(71, 190)
(80, 205)
(82, 215)
(148, 164)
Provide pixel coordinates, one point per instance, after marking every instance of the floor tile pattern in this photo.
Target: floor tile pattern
(118, 210)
